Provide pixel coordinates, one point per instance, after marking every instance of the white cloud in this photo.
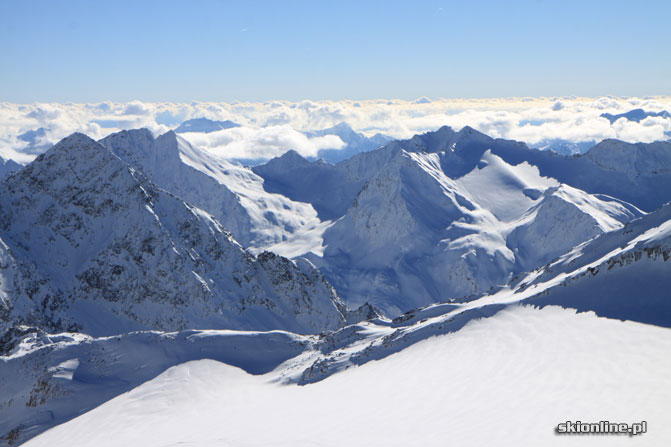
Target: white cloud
(137, 108)
(264, 142)
(270, 128)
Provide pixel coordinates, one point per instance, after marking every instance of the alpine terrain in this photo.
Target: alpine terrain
(449, 288)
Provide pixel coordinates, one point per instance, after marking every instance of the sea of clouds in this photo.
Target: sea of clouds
(271, 128)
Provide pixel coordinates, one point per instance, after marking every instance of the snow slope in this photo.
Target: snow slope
(91, 245)
(624, 274)
(505, 380)
(638, 173)
(52, 378)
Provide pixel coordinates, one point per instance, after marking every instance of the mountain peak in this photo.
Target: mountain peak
(76, 138)
(471, 132)
(168, 137)
(75, 149)
(132, 138)
(204, 125)
(141, 132)
(140, 149)
(342, 126)
(7, 166)
(290, 157)
(32, 136)
(423, 100)
(76, 163)
(632, 159)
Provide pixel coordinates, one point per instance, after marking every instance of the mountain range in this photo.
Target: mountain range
(355, 142)
(487, 208)
(123, 257)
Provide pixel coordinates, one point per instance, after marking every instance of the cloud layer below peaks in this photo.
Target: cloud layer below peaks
(271, 128)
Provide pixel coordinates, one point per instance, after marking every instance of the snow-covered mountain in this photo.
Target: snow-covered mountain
(324, 186)
(390, 221)
(89, 244)
(521, 355)
(204, 125)
(622, 274)
(449, 215)
(591, 172)
(449, 231)
(51, 378)
(231, 193)
(355, 142)
(415, 236)
(564, 147)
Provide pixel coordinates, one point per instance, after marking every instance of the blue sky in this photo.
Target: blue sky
(88, 51)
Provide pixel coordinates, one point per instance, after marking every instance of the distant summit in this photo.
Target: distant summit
(355, 142)
(7, 166)
(204, 125)
(636, 115)
(564, 147)
(37, 141)
(32, 136)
